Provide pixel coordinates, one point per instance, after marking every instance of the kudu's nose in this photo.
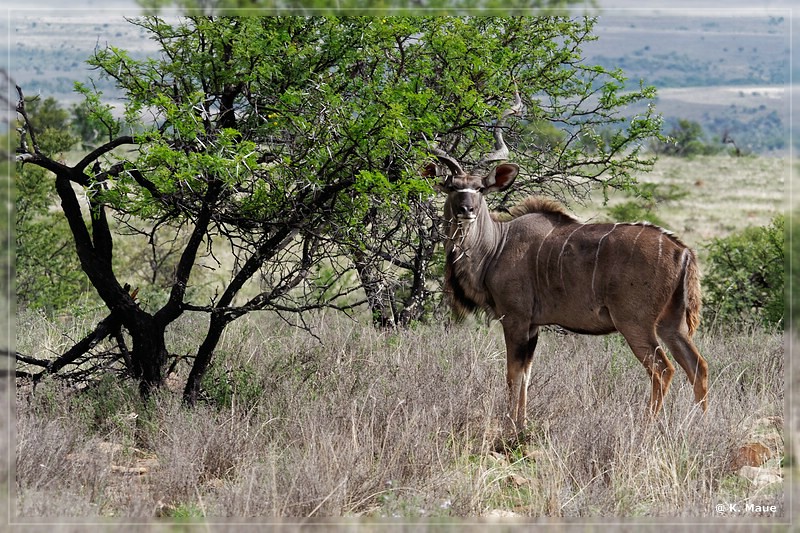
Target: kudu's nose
(465, 210)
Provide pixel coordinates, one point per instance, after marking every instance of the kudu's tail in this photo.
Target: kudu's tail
(691, 289)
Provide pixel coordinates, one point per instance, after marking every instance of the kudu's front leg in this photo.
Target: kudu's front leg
(519, 356)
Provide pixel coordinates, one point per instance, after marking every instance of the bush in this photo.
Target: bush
(687, 139)
(49, 275)
(225, 385)
(744, 283)
(644, 201)
(793, 269)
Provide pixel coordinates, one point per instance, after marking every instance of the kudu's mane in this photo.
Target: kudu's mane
(534, 204)
(552, 208)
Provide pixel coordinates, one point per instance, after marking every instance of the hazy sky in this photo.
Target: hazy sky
(627, 4)
(82, 4)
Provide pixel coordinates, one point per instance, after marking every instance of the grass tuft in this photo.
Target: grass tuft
(401, 425)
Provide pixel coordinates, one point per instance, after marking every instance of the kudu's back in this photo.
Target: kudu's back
(593, 278)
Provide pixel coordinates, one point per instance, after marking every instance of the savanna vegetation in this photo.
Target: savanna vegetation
(366, 423)
(277, 164)
(229, 294)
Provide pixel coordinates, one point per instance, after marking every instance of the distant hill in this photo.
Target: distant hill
(729, 73)
(48, 53)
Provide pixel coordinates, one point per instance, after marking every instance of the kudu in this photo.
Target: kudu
(540, 266)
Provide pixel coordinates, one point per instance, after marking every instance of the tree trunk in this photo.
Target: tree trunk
(379, 295)
(204, 354)
(149, 351)
(414, 304)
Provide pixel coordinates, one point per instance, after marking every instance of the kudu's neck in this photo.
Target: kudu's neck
(471, 243)
(470, 249)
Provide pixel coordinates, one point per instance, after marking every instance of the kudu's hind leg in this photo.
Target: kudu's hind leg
(519, 357)
(645, 347)
(686, 354)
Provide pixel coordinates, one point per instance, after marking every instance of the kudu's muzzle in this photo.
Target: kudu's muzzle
(466, 203)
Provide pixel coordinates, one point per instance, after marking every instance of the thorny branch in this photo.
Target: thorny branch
(109, 326)
(25, 128)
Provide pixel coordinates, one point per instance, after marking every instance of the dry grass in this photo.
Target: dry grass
(376, 425)
(725, 194)
(372, 426)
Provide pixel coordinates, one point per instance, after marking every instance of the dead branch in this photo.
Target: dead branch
(109, 326)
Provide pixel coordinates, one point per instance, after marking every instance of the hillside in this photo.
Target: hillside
(730, 73)
(723, 194)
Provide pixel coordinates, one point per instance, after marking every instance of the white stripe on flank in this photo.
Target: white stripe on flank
(539, 251)
(660, 248)
(597, 253)
(637, 235)
(686, 257)
(561, 255)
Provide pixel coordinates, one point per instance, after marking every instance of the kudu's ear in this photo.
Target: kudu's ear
(429, 171)
(500, 177)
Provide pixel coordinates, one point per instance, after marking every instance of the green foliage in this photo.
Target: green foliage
(687, 139)
(49, 275)
(379, 89)
(793, 269)
(744, 280)
(333, 7)
(355, 105)
(296, 146)
(186, 512)
(108, 405)
(93, 121)
(225, 386)
(644, 202)
(545, 135)
(54, 132)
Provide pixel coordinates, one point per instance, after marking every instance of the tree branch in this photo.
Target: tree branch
(108, 326)
(101, 150)
(173, 308)
(26, 127)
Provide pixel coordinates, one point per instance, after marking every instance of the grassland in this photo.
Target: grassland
(723, 194)
(403, 425)
(362, 426)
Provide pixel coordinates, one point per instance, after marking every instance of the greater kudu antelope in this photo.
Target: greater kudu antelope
(540, 266)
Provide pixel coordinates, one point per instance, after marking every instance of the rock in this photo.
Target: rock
(760, 476)
(519, 480)
(500, 513)
(130, 470)
(751, 454)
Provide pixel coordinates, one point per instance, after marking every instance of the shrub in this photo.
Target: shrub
(687, 139)
(643, 203)
(793, 270)
(225, 385)
(744, 282)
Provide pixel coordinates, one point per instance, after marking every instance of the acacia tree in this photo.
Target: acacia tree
(296, 145)
(327, 7)
(455, 79)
